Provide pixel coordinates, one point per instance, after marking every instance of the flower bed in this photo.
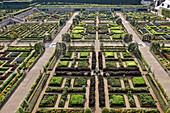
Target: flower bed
(114, 82)
(80, 81)
(56, 81)
(146, 100)
(63, 64)
(48, 100)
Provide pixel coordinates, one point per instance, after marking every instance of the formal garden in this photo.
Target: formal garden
(94, 66)
(149, 26)
(14, 62)
(30, 31)
(50, 16)
(143, 16)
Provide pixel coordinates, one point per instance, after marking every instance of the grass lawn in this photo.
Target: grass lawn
(83, 64)
(48, 100)
(77, 100)
(109, 54)
(116, 31)
(117, 36)
(131, 64)
(116, 100)
(84, 54)
(76, 36)
(79, 28)
(56, 81)
(78, 31)
(138, 81)
(63, 64)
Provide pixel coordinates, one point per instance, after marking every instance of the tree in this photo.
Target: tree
(147, 37)
(127, 37)
(78, 17)
(133, 46)
(105, 110)
(87, 110)
(20, 110)
(119, 21)
(39, 47)
(66, 37)
(6, 27)
(155, 46)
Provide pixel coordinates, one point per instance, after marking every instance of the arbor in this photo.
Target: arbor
(127, 37)
(87, 110)
(105, 110)
(133, 46)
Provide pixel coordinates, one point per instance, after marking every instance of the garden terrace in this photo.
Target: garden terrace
(143, 16)
(88, 15)
(13, 61)
(109, 31)
(50, 16)
(30, 31)
(158, 31)
(82, 32)
(163, 56)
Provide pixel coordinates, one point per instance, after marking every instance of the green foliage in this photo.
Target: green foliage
(80, 81)
(109, 54)
(63, 64)
(83, 64)
(105, 110)
(84, 54)
(116, 100)
(56, 81)
(138, 81)
(127, 37)
(114, 82)
(146, 100)
(111, 64)
(131, 64)
(48, 100)
(166, 12)
(127, 55)
(87, 110)
(77, 100)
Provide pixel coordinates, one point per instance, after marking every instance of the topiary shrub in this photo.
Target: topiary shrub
(105, 110)
(87, 110)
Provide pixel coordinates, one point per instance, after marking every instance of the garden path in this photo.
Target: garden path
(17, 97)
(97, 49)
(160, 73)
(149, 58)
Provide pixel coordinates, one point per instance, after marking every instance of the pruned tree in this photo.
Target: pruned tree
(127, 37)
(133, 46)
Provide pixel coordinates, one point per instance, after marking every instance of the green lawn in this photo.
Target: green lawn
(77, 100)
(84, 54)
(131, 64)
(63, 64)
(138, 81)
(109, 54)
(116, 100)
(56, 81)
(116, 31)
